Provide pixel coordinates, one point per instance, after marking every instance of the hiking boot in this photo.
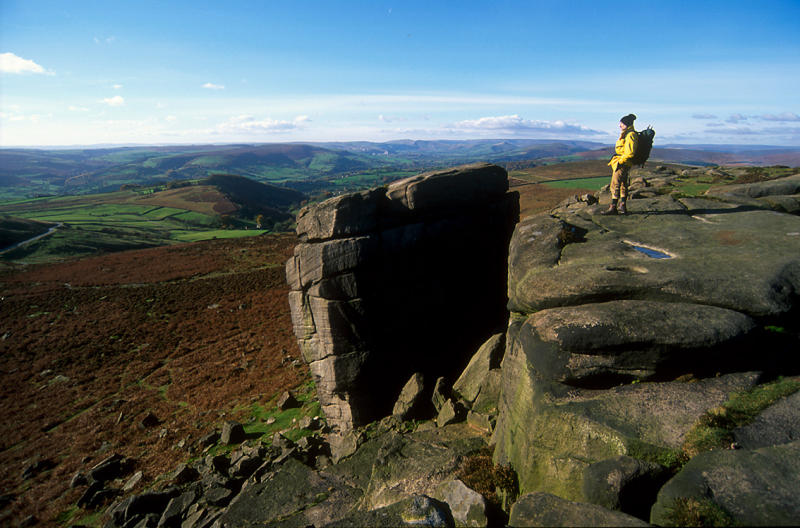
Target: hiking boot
(622, 209)
(612, 209)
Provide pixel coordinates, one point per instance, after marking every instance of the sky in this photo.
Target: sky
(77, 72)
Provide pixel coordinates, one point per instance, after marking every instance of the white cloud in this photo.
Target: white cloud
(703, 116)
(106, 40)
(516, 124)
(117, 86)
(117, 100)
(170, 118)
(73, 108)
(10, 63)
(247, 124)
(212, 86)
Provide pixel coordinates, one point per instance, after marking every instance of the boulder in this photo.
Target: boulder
(753, 488)
(551, 433)
(410, 402)
(110, 468)
(487, 358)
(450, 413)
(232, 433)
(441, 393)
(467, 506)
(412, 464)
(417, 510)
(287, 401)
(778, 424)
(294, 491)
(605, 343)
(544, 509)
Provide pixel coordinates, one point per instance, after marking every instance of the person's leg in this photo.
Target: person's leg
(624, 181)
(616, 184)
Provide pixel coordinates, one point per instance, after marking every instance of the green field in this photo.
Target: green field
(95, 224)
(595, 183)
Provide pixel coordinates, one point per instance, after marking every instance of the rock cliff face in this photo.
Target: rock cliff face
(397, 280)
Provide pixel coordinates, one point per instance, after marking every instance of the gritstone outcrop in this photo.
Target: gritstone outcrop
(400, 279)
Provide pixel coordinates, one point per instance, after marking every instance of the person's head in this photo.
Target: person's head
(627, 121)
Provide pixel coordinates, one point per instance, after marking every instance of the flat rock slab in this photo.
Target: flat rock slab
(630, 339)
(756, 488)
(714, 254)
(544, 509)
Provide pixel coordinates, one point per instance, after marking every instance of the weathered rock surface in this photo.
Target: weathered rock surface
(607, 312)
(756, 488)
(778, 424)
(400, 279)
(625, 484)
(467, 506)
(780, 195)
(544, 509)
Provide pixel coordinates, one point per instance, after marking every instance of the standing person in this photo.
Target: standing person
(621, 165)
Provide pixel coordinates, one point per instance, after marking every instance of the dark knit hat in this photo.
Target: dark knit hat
(628, 120)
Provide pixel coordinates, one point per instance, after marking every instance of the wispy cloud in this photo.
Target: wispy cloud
(212, 86)
(516, 124)
(117, 100)
(11, 63)
(117, 87)
(704, 116)
(73, 108)
(104, 40)
(735, 118)
(247, 124)
(785, 116)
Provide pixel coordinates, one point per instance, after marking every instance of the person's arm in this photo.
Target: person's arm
(629, 149)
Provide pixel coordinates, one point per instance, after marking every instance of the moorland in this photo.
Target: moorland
(158, 289)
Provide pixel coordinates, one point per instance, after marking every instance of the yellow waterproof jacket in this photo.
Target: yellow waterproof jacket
(625, 148)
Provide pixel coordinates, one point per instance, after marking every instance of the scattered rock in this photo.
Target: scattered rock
(287, 401)
(132, 482)
(183, 474)
(110, 468)
(451, 412)
(79, 479)
(410, 402)
(149, 420)
(488, 357)
(441, 393)
(467, 506)
(232, 433)
(176, 508)
(37, 466)
(208, 440)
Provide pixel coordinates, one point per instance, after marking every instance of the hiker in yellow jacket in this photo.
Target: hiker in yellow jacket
(621, 166)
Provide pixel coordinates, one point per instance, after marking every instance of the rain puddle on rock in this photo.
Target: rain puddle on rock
(652, 253)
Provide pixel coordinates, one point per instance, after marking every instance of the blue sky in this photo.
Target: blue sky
(79, 72)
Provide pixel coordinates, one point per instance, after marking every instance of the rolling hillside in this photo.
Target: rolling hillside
(217, 207)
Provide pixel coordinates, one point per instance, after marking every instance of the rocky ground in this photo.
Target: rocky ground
(189, 336)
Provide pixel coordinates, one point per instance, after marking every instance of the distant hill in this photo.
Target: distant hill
(314, 167)
(254, 198)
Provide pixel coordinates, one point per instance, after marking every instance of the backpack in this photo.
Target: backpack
(643, 146)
